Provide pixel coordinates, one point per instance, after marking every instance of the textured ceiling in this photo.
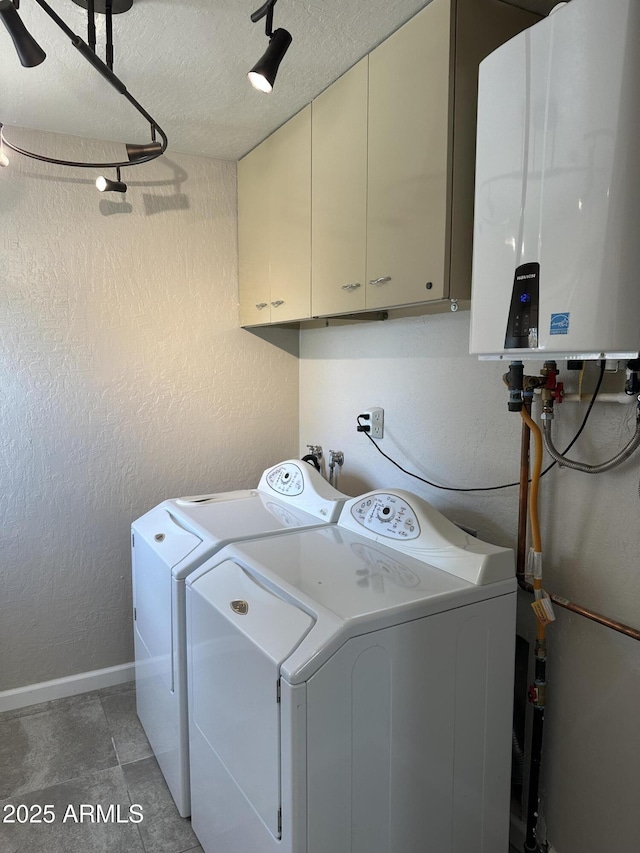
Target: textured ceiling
(186, 62)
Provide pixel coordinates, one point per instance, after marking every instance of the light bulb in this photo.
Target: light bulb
(104, 185)
(259, 82)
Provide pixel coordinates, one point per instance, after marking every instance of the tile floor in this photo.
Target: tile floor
(88, 749)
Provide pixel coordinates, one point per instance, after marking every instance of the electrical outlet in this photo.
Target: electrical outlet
(375, 420)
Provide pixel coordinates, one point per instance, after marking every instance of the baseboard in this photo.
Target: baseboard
(83, 682)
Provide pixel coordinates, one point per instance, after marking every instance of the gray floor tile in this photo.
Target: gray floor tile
(163, 830)
(68, 835)
(117, 688)
(130, 740)
(52, 704)
(38, 750)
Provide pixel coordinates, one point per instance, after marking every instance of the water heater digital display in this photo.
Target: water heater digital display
(522, 327)
(557, 208)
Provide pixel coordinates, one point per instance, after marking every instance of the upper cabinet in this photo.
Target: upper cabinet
(339, 194)
(409, 148)
(253, 236)
(274, 226)
(392, 154)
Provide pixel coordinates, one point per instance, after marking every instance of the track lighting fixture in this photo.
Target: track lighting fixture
(104, 185)
(31, 54)
(263, 74)
(136, 153)
(29, 51)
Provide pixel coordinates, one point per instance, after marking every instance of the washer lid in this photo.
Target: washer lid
(165, 536)
(220, 522)
(215, 497)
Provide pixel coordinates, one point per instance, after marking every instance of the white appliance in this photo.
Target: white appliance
(350, 688)
(171, 541)
(557, 210)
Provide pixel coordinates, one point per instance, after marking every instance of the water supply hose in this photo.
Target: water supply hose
(618, 459)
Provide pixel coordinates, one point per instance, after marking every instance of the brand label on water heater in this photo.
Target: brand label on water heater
(522, 326)
(559, 324)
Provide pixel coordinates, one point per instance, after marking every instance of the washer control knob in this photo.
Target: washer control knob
(386, 513)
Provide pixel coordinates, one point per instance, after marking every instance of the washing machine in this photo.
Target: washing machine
(168, 543)
(351, 687)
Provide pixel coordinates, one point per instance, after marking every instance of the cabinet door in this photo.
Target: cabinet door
(290, 219)
(409, 135)
(339, 194)
(253, 236)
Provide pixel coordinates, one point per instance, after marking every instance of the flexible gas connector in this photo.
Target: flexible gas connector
(534, 517)
(535, 480)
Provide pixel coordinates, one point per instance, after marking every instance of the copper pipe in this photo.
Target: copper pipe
(523, 500)
(596, 617)
(588, 614)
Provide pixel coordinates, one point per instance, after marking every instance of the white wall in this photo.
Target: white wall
(446, 418)
(124, 379)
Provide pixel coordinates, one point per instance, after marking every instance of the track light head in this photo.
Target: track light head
(29, 51)
(263, 74)
(139, 152)
(104, 185)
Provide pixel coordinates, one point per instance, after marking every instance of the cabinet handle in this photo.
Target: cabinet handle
(376, 282)
(353, 286)
(261, 305)
(277, 303)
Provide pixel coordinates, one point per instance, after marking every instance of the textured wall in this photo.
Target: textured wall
(446, 418)
(124, 379)
(190, 70)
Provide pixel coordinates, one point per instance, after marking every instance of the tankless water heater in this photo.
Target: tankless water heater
(556, 259)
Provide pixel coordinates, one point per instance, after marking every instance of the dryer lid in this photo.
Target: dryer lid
(239, 634)
(351, 584)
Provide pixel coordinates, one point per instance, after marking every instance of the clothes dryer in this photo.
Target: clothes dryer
(351, 687)
(171, 541)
